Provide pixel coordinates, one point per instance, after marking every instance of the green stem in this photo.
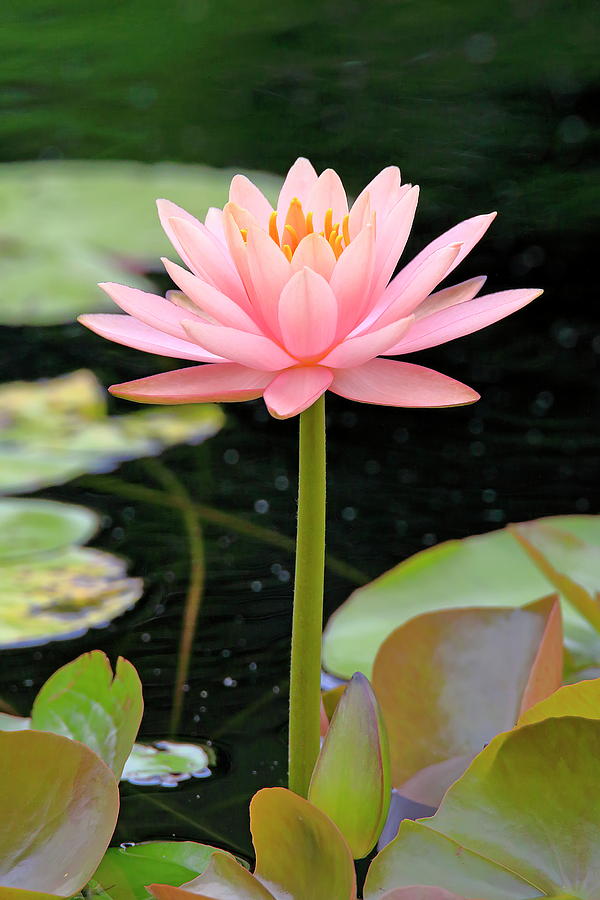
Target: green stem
(305, 682)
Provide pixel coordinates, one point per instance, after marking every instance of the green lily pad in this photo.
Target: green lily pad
(57, 593)
(30, 527)
(58, 809)
(166, 763)
(85, 702)
(485, 570)
(54, 430)
(66, 226)
(523, 821)
(124, 871)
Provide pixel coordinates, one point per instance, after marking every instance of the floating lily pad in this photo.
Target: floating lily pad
(124, 871)
(485, 570)
(166, 763)
(30, 527)
(54, 430)
(61, 592)
(68, 225)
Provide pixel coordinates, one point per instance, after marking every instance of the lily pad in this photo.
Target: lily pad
(166, 763)
(30, 527)
(485, 570)
(450, 680)
(67, 225)
(60, 592)
(58, 809)
(124, 871)
(85, 702)
(56, 429)
(523, 821)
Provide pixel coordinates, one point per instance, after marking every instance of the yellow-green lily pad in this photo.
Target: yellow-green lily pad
(56, 429)
(56, 589)
(30, 527)
(166, 763)
(66, 225)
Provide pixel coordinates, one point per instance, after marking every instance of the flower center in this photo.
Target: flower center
(299, 224)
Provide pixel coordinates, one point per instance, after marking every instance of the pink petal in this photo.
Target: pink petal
(358, 350)
(157, 312)
(253, 350)
(238, 251)
(327, 193)
(424, 279)
(457, 321)
(214, 222)
(207, 258)
(295, 390)
(168, 210)
(308, 314)
(351, 279)
(131, 333)
(450, 296)
(298, 182)
(221, 383)
(468, 233)
(359, 215)
(390, 383)
(209, 299)
(245, 194)
(314, 252)
(392, 235)
(383, 192)
(269, 271)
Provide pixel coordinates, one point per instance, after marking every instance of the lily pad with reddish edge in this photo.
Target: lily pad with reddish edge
(64, 222)
(54, 430)
(84, 701)
(523, 821)
(58, 809)
(299, 854)
(351, 780)
(484, 570)
(450, 680)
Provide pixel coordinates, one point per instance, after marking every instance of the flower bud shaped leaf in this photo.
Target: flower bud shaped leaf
(351, 780)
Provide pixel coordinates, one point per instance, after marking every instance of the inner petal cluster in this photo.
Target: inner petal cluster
(299, 224)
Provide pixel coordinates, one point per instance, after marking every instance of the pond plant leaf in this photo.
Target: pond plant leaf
(300, 853)
(523, 821)
(65, 223)
(58, 809)
(125, 871)
(351, 779)
(30, 527)
(56, 429)
(449, 681)
(166, 763)
(85, 702)
(13, 723)
(581, 700)
(485, 570)
(568, 562)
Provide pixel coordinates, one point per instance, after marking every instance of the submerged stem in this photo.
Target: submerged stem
(305, 695)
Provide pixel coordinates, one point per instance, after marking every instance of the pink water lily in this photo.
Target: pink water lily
(289, 303)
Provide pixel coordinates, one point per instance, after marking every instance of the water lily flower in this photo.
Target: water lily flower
(288, 303)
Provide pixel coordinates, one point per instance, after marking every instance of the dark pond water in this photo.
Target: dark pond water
(491, 108)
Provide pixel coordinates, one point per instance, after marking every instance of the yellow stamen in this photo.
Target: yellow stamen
(309, 223)
(333, 236)
(273, 227)
(288, 252)
(338, 246)
(328, 223)
(346, 229)
(293, 234)
(244, 233)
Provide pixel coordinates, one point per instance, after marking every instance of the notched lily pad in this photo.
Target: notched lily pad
(84, 232)
(54, 430)
(61, 592)
(167, 763)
